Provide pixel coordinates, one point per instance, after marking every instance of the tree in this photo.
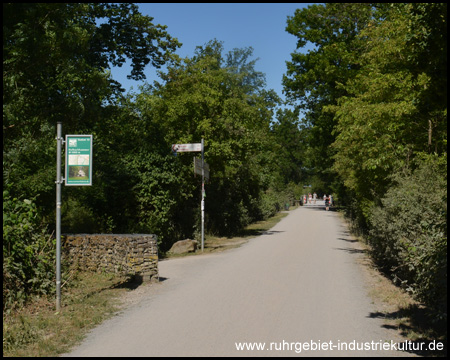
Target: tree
(312, 80)
(427, 40)
(56, 58)
(390, 147)
(237, 61)
(383, 123)
(291, 148)
(218, 98)
(55, 61)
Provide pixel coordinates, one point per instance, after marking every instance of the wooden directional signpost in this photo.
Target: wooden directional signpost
(201, 168)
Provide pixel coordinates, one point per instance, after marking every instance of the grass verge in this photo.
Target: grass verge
(37, 330)
(215, 244)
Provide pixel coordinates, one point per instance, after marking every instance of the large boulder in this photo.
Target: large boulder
(183, 246)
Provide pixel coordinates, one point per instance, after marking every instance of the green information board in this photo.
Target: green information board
(78, 160)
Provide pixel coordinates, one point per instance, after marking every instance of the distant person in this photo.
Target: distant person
(331, 200)
(327, 203)
(324, 197)
(315, 197)
(304, 200)
(310, 198)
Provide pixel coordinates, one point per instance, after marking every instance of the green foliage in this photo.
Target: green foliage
(55, 58)
(290, 146)
(218, 98)
(274, 199)
(409, 230)
(313, 77)
(271, 203)
(55, 61)
(372, 92)
(164, 190)
(77, 218)
(386, 118)
(28, 252)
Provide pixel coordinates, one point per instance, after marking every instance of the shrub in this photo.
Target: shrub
(77, 217)
(164, 197)
(28, 252)
(409, 231)
(270, 204)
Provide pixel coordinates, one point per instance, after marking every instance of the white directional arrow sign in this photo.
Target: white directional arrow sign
(187, 147)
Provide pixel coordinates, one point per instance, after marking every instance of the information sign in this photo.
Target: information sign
(198, 168)
(78, 170)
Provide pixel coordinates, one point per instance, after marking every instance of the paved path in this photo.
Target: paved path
(297, 286)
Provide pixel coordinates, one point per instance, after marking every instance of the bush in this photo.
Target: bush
(409, 232)
(270, 204)
(164, 193)
(77, 217)
(28, 252)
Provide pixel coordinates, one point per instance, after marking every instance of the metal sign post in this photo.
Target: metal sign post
(59, 180)
(78, 170)
(203, 169)
(203, 195)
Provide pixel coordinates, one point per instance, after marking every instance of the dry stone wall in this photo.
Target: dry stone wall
(135, 254)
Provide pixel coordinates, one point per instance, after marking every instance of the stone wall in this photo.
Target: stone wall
(135, 254)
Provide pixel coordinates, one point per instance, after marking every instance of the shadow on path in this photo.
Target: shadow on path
(418, 321)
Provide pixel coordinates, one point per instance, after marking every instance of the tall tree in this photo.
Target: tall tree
(291, 147)
(312, 79)
(219, 98)
(427, 40)
(238, 61)
(385, 121)
(56, 58)
(55, 61)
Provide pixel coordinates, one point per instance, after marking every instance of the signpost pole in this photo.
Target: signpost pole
(59, 140)
(203, 196)
(194, 148)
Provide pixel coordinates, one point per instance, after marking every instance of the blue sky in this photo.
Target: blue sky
(237, 25)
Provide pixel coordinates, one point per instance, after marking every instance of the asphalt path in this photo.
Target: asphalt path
(297, 290)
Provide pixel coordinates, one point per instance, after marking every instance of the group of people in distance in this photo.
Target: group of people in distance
(313, 198)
